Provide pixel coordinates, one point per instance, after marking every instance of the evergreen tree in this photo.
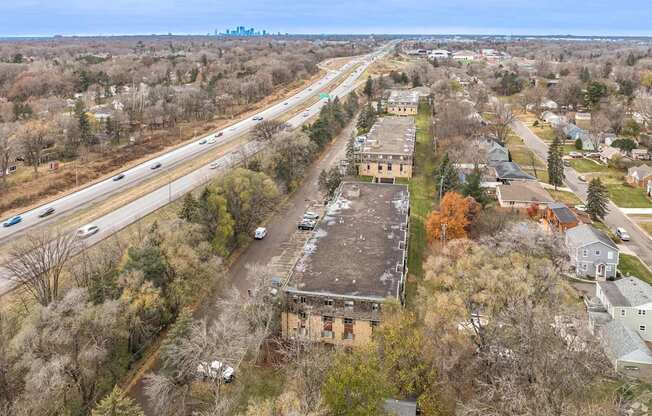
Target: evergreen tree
(190, 208)
(597, 200)
(84, 125)
(404, 78)
(585, 75)
(447, 176)
(366, 119)
(351, 104)
(555, 163)
(472, 187)
(368, 88)
(117, 403)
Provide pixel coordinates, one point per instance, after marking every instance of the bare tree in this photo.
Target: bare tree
(503, 118)
(37, 262)
(33, 139)
(267, 129)
(7, 149)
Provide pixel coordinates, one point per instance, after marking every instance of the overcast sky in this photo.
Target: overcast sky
(516, 17)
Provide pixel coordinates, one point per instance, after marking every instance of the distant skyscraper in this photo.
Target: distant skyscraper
(242, 31)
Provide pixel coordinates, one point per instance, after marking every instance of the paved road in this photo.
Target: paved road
(640, 243)
(104, 189)
(127, 214)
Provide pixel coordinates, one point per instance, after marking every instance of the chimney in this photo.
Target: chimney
(353, 192)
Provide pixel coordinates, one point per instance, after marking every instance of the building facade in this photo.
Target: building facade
(592, 253)
(403, 103)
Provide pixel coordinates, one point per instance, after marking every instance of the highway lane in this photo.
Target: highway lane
(137, 209)
(640, 242)
(139, 173)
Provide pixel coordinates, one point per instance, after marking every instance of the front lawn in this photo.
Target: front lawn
(626, 196)
(589, 166)
(632, 266)
(564, 197)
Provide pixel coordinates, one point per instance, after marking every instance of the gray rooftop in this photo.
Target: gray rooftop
(621, 342)
(628, 291)
(403, 97)
(395, 407)
(392, 136)
(585, 234)
(512, 171)
(642, 171)
(358, 248)
(562, 212)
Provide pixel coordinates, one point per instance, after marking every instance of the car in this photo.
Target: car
(155, 166)
(12, 221)
(306, 114)
(307, 224)
(260, 233)
(220, 134)
(47, 211)
(118, 177)
(309, 215)
(582, 178)
(567, 163)
(257, 118)
(212, 140)
(285, 103)
(232, 128)
(87, 230)
(309, 89)
(215, 165)
(575, 154)
(622, 234)
(203, 141)
(580, 207)
(215, 369)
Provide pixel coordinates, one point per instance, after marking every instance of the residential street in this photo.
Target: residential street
(640, 243)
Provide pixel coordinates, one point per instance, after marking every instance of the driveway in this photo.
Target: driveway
(640, 244)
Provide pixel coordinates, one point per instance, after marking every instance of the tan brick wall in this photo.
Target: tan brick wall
(394, 173)
(362, 329)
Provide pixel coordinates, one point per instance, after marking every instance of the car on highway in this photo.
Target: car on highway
(215, 369)
(582, 178)
(309, 215)
(212, 140)
(87, 230)
(47, 211)
(285, 103)
(309, 89)
(215, 165)
(155, 166)
(622, 234)
(220, 134)
(118, 177)
(12, 221)
(258, 118)
(203, 141)
(260, 233)
(306, 114)
(307, 224)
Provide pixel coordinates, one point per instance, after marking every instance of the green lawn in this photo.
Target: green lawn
(422, 196)
(564, 197)
(588, 166)
(626, 196)
(632, 266)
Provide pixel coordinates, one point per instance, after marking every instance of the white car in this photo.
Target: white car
(309, 215)
(258, 118)
(581, 207)
(306, 114)
(260, 233)
(87, 230)
(214, 370)
(215, 165)
(212, 140)
(622, 234)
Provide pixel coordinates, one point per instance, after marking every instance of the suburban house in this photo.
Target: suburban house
(640, 154)
(522, 195)
(403, 102)
(621, 315)
(355, 261)
(495, 153)
(560, 217)
(592, 253)
(464, 56)
(639, 175)
(553, 119)
(511, 172)
(608, 153)
(387, 151)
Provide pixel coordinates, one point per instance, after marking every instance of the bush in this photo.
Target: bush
(578, 144)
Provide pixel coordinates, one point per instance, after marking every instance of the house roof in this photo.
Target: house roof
(526, 192)
(562, 212)
(585, 234)
(641, 171)
(403, 97)
(609, 152)
(358, 248)
(512, 171)
(395, 407)
(628, 291)
(622, 343)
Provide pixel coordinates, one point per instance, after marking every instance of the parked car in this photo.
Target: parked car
(87, 230)
(582, 178)
(622, 234)
(214, 370)
(155, 166)
(47, 211)
(118, 177)
(260, 233)
(309, 215)
(580, 207)
(575, 154)
(203, 141)
(12, 221)
(307, 224)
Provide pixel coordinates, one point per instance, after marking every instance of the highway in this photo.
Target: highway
(133, 211)
(640, 242)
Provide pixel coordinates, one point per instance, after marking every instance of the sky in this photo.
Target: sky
(508, 17)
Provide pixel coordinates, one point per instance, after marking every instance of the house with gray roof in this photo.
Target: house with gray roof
(509, 171)
(592, 253)
(639, 175)
(627, 352)
(628, 300)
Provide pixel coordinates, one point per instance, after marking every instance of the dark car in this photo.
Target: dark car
(118, 177)
(307, 224)
(220, 134)
(155, 165)
(47, 211)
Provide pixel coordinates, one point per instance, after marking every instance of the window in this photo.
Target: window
(375, 306)
(348, 304)
(389, 167)
(328, 302)
(375, 323)
(302, 299)
(302, 315)
(610, 255)
(348, 321)
(368, 166)
(380, 167)
(348, 328)
(641, 311)
(623, 312)
(641, 328)
(585, 253)
(597, 252)
(584, 266)
(327, 330)
(400, 167)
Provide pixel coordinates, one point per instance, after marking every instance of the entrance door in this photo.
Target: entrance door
(601, 271)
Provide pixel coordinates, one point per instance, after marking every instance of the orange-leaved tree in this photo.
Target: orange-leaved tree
(452, 218)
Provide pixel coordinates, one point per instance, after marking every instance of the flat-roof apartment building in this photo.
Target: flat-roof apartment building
(387, 150)
(355, 261)
(403, 102)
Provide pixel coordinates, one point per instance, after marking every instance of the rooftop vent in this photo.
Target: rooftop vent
(354, 192)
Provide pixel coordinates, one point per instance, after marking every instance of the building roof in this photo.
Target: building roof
(512, 171)
(524, 192)
(358, 248)
(395, 407)
(628, 291)
(562, 212)
(403, 97)
(641, 171)
(495, 152)
(391, 135)
(622, 343)
(586, 234)
(608, 152)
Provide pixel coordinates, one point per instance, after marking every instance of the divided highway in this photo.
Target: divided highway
(133, 211)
